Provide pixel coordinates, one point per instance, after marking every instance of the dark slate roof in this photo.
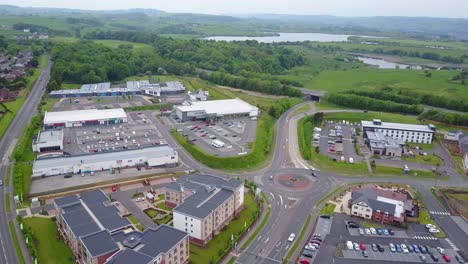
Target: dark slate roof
(127, 256)
(94, 197)
(160, 240)
(232, 184)
(370, 198)
(203, 202)
(79, 220)
(67, 200)
(99, 243)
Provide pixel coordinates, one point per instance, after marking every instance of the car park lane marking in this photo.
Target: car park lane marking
(451, 244)
(439, 213)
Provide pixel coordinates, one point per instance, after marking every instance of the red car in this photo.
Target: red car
(304, 261)
(114, 189)
(446, 258)
(362, 247)
(204, 135)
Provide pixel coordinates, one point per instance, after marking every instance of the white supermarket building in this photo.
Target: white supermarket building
(84, 117)
(215, 109)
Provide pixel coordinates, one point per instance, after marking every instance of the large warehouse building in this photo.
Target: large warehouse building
(215, 109)
(406, 132)
(84, 117)
(131, 88)
(152, 156)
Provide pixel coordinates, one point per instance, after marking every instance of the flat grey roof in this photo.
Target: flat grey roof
(99, 243)
(203, 202)
(398, 126)
(83, 115)
(67, 200)
(50, 135)
(127, 256)
(160, 240)
(54, 162)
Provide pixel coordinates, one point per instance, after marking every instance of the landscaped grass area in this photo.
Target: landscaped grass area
(428, 159)
(327, 209)
(165, 220)
(151, 213)
(327, 164)
(425, 218)
(50, 249)
(7, 202)
(394, 171)
(19, 252)
(302, 109)
(370, 224)
(457, 199)
(259, 228)
(163, 206)
(135, 222)
(422, 146)
(162, 197)
(221, 243)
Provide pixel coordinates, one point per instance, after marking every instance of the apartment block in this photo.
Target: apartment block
(406, 132)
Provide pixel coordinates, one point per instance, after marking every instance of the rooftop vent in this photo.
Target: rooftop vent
(377, 122)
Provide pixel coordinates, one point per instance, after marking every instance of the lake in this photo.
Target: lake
(384, 64)
(290, 37)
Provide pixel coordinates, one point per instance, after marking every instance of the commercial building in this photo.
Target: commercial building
(204, 204)
(97, 233)
(79, 118)
(380, 144)
(215, 109)
(131, 88)
(199, 95)
(48, 140)
(406, 132)
(144, 157)
(385, 206)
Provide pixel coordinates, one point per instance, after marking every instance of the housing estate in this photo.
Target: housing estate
(97, 233)
(385, 206)
(406, 132)
(204, 204)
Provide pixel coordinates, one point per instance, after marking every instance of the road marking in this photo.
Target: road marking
(273, 196)
(439, 213)
(451, 244)
(281, 199)
(266, 240)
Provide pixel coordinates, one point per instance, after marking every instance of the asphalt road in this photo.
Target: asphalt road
(22, 119)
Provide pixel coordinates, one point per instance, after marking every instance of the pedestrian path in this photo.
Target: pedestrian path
(439, 213)
(425, 238)
(451, 244)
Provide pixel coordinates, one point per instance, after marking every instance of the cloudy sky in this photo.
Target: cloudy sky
(433, 8)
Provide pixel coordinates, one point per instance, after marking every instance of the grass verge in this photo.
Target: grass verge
(327, 209)
(398, 172)
(136, 223)
(296, 244)
(255, 233)
(51, 249)
(7, 176)
(7, 202)
(368, 224)
(19, 252)
(232, 260)
(425, 218)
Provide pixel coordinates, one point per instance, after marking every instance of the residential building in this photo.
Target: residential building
(6, 94)
(153, 156)
(48, 140)
(385, 206)
(204, 204)
(406, 132)
(84, 117)
(215, 109)
(380, 144)
(463, 144)
(97, 233)
(465, 163)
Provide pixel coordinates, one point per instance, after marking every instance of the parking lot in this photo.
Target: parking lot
(336, 142)
(334, 244)
(225, 137)
(138, 132)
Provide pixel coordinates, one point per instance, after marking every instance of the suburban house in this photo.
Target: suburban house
(381, 205)
(97, 233)
(6, 95)
(204, 204)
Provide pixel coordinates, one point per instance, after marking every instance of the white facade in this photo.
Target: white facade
(361, 209)
(406, 132)
(189, 224)
(465, 162)
(51, 140)
(154, 156)
(82, 117)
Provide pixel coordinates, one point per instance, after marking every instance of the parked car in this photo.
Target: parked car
(367, 230)
(446, 258)
(310, 246)
(373, 231)
(434, 258)
(364, 254)
(398, 248)
(361, 231)
(379, 231)
(374, 247)
(433, 230)
(429, 226)
(356, 246)
(304, 261)
(410, 248)
(422, 258)
(291, 237)
(404, 248)
(422, 249)
(380, 248)
(362, 246)
(385, 231)
(416, 249)
(325, 216)
(349, 245)
(315, 242)
(307, 254)
(392, 247)
(459, 259)
(391, 232)
(441, 250)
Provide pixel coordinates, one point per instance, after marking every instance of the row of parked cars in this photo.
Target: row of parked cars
(310, 248)
(405, 248)
(376, 231)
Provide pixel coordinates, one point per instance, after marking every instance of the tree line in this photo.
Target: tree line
(367, 103)
(444, 117)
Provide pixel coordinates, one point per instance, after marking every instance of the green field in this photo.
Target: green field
(50, 248)
(221, 243)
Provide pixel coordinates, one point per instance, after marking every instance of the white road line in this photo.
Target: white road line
(266, 240)
(281, 199)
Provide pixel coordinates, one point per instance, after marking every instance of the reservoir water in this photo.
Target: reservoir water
(384, 64)
(290, 37)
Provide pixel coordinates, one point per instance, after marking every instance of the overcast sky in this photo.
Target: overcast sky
(433, 8)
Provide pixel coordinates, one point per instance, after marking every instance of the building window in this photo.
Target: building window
(367, 215)
(185, 218)
(367, 210)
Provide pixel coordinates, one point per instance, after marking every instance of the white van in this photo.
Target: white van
(217, 143)
(349, 245)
